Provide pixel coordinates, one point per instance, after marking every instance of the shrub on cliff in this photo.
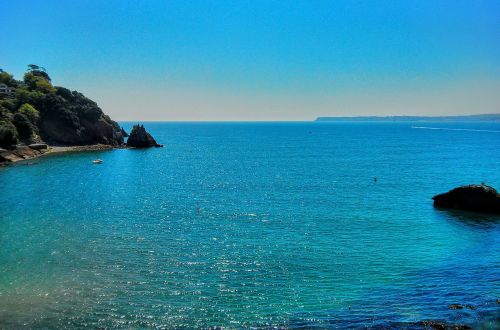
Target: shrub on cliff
(7, 79)
(8, 135)
(37, 79)
(29, 111)
(24, 126)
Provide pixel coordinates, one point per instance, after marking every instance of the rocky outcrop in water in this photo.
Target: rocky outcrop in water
(140, 138)
(476, 198)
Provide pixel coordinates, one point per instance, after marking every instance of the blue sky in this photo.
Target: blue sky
(262, 60)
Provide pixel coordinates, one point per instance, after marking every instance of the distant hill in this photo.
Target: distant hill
(483, 117)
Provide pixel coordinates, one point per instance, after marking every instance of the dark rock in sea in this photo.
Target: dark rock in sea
(438, 325)
(140, 138)
(124, 132)
(455, 306)
(476, 198)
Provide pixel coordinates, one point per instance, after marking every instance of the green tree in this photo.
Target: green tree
(38, 71)
(29, 111)
(38, 82)
(8, 135)
(7, 79)
(33, 67)
(23, 125)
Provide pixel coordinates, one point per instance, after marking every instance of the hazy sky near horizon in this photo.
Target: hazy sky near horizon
(262, 60)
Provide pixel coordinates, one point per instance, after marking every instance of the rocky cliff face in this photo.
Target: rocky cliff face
(103, 131)
(68, 117)
(140, 138)
(476, 198)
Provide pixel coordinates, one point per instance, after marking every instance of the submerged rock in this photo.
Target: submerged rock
(439, 325)
(477, 198)
(455, 306)
(140, 138)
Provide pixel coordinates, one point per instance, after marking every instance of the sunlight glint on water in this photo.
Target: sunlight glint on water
(253, 224)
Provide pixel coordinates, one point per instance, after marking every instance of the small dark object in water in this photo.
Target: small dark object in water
(375, 179)
(476, 198)
(455, 306)
(471, 307)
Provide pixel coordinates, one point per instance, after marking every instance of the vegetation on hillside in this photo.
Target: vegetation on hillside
(37, 111)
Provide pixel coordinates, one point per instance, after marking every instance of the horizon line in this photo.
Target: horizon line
(306, 120)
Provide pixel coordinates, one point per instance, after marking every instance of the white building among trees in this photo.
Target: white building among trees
(6, 90)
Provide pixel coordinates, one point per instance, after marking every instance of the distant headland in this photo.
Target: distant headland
(482, 117)
(37, 117)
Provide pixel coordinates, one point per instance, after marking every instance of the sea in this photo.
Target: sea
(262, 225)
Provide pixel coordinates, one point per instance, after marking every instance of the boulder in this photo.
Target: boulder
(476, 198)
(9, 157)
(140, 138)
(38, 146)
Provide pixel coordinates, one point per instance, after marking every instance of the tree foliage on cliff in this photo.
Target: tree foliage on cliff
(38, 110)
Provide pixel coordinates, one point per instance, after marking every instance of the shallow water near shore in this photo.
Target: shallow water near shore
(254, 225)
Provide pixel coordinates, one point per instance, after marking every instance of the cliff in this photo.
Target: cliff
(34, 111)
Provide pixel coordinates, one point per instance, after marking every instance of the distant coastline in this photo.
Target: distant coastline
(482, 117)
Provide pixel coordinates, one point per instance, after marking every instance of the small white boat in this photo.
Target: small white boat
(97, 161)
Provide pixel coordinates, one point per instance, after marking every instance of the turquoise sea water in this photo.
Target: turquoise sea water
(254, 225)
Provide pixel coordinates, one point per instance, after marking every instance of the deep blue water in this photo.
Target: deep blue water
(254, 225)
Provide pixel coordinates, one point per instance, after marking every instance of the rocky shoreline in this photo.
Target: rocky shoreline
(139, 138)
(21, 153)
